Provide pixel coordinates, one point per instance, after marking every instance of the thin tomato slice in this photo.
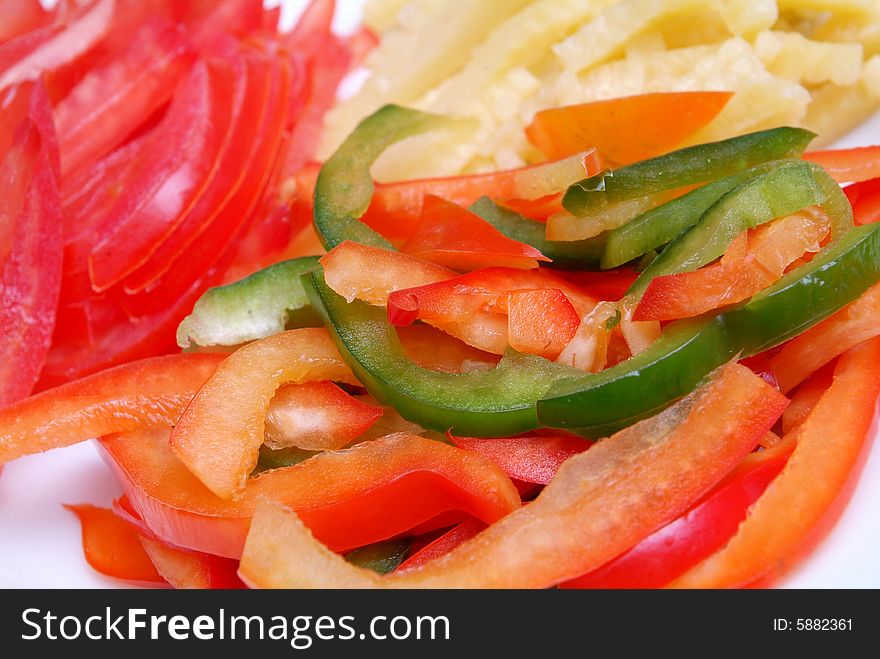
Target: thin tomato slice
(30, 258)
(618, 127)
(168, 180)
(236, 215)
(116, 97)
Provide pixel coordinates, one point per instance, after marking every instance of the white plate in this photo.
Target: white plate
(40, 541)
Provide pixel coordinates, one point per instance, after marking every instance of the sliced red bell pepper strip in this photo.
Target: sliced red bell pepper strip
(564, 532)
(181, 568)
(618, 127)
(540, 321)
(865, 200)
(848, 165)
(806, 397)
(529, 458)
(454, 237)
(357, 271)
(65, 47)
(771, 249)
(168, 180)
(317, 416)
(350, 498)
(678, 546)
(111, 546)
(30, 260)
(116, 97)
(134, 395)
(832, 337)
(797, 507)
(444, 544)
(219, 435)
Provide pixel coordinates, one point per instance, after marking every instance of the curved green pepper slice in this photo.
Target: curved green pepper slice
(491, 403)
(785, 189)
(597, 404)
(265, 303)
(688, 166)
(345, 187)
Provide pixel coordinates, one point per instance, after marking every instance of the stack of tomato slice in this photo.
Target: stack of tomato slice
(176, 123)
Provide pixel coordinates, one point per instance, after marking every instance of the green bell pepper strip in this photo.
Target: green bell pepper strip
(688, 166)
(596, 405)
(785, 189)
(381, 557)
(658, 226)
(565, 254)
(493, 403)
(345, 187)
(265, 303)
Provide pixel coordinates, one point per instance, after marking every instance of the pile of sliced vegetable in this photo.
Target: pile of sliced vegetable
(144, 144)
(656, 373)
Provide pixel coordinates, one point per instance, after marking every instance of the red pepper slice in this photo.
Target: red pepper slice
(740, 274)
(317, 416)
(540, 321)
(349, 499)
(181, 568)
(116, 97)
(848, 165)
(454, 237)
(811, 350)
(678, 546)
(30, 259)
(396, 207)
(167, 180)
(801, 503)
(444, 544)
(618, 128)
(111, 546)
(564, 531)
(219, 435)
(531, 458)
(134, 395)
(865, 200)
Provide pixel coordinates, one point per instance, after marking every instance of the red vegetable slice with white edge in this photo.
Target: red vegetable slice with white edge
(222, 448)
(633, 482)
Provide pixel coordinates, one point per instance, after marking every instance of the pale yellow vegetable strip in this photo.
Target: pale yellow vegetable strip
(606, 35)
(746, 18)
(856, 7)
(408, 66)
(792, 56)
(379, 15)
(519, 41)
